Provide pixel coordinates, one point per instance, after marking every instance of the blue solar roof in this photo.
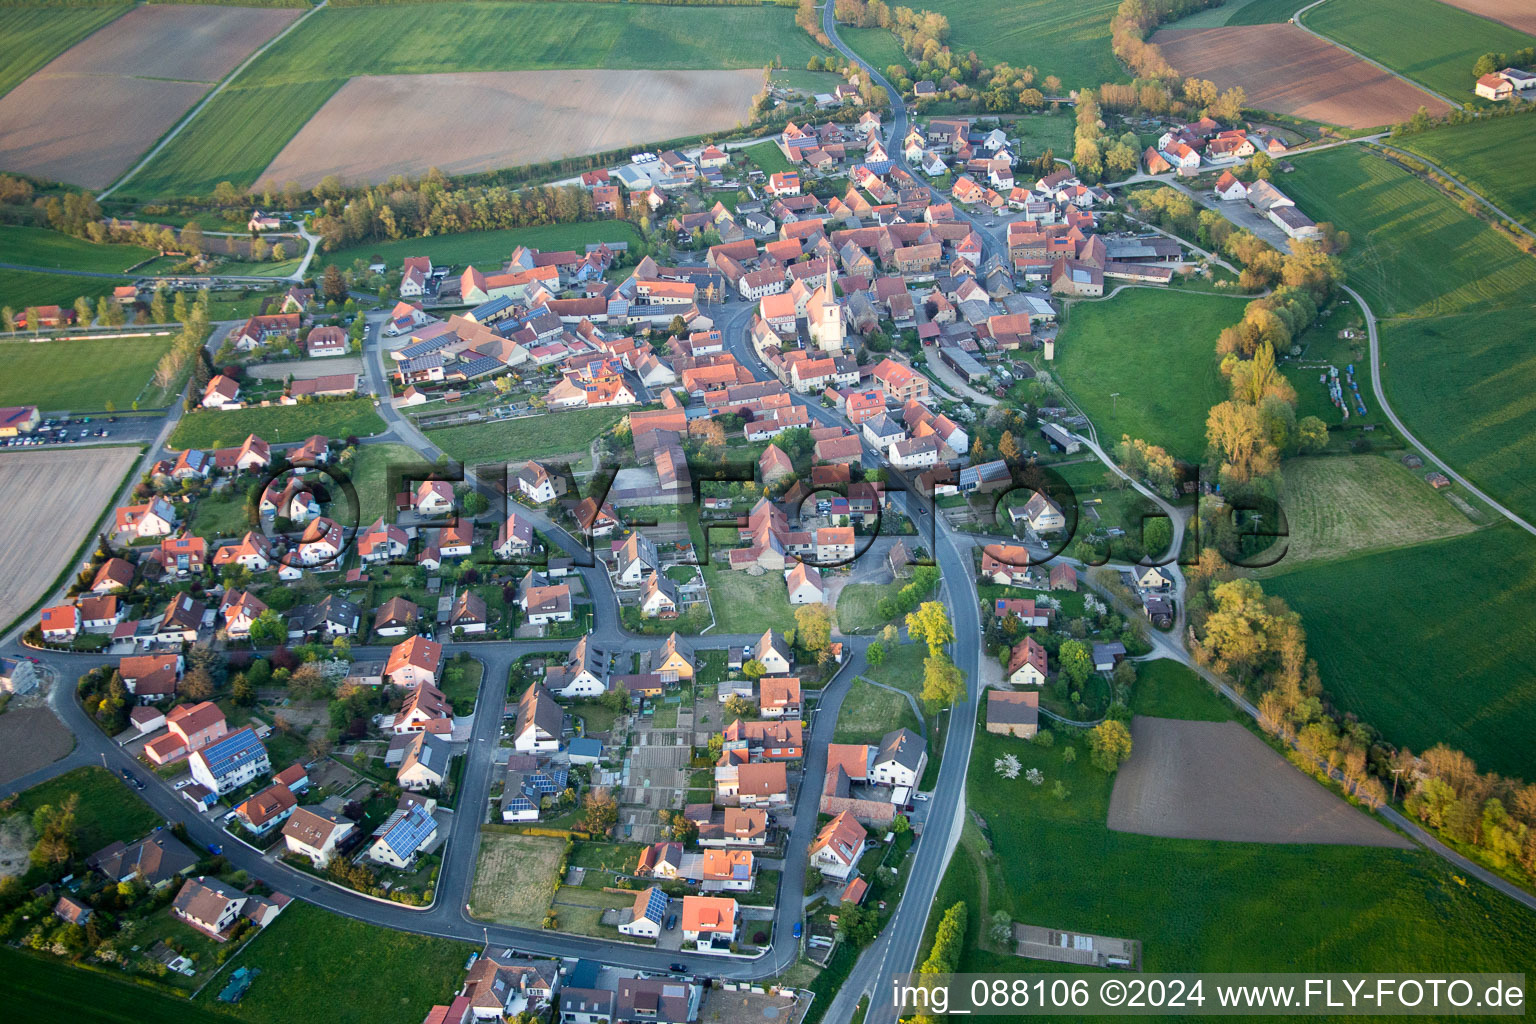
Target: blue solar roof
(546, 781)
(656, 906)
(232, 751)
(516, 803)
(479, 366)
(407, 830)
(422, 348)
(491, 308)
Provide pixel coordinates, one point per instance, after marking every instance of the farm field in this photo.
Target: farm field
(1285, 69)
(1208, 905)
(1517, 15)
(54, 498)
(40, 247)
(1461, 675)
(532, 437)
(1413, 252)
(81, 376)
(299, 957)
(485, 248)
(1062, 38)
(86, 115)
(108, 810)
(46, 988)
(1166, 689)
(504, 119)
(1344, 505)
(1430, 42)
(515, 878)
(21, 288)
(278, 424)
(1487, 156)
(879, 46)
(242, 131)
(1167, 382)
(32, 36)
(1479, 364)
(1217, 780)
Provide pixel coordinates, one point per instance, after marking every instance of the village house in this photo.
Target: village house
(1013, 713)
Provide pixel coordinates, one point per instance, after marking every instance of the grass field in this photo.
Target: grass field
(484, 248)
(45, 988)
(879, 46)
(1201, 904)
(1430, 644)
(1166, 689)
(563, 433)
(277, 424)
(1339, 506)
(1480, 365)
(767, 157)
(243, 129)
(1039, 132)
(21, 288)
(78, 375)
(370, 476)
(32, 36)
(515, 878)
(1413, 252)
(1432, 43)
(361, 973)
(1167, 379)
(1487, 155)
(1062, 38)
(108, 810)
(747, 604)
(1260, 12)
(39, 247)
(869, 712)
(856, 606)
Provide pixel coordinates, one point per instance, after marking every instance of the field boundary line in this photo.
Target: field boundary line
(190, 115)
(1409, 154)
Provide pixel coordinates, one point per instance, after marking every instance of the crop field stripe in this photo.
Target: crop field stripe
(30, 37)
(289, 83)
(1493, 157)
(1413, 251)
(1429, 41)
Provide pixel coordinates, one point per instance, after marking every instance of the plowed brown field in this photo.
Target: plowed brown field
(1517, 14)
(378, 125)
(1287, 70)
(85, 116)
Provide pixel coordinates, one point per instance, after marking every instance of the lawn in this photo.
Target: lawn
(1487, 156)
(1430, 42)
(243, 129)
(747, 604)
(767, 157)
(78, 375)
(44, 989)
(369, 472)
(1480, 366)
(32, 36)
(1039, 132)
(1413, 252)
(1167, 379)
(108, 810)
(39, 247)
(1337, 506)
(1166, 689)
(223, 514)
(1430, 644)
(869, 712)
(856, 606)
(902, 667)
(515, 878)
(461, 684)
(486, 248)
(564, 433)
(1059, 37)
(1200, 905)
(277, 424)
(361, 973)
(22, 288)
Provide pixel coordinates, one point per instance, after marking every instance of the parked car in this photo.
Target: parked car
(680, 967)
(799, 928)
(671, 922)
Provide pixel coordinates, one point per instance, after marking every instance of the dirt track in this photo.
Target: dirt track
(1517, 14)
(1287, 70)
(481, 121)
(85, 116)
(52, 501)
(1216, 780)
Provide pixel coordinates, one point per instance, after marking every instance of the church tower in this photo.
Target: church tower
(830, 329)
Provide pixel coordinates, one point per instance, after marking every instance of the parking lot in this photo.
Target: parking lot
(87, 430)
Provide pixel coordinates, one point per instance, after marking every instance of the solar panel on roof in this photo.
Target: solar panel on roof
(407, 835)
(656, 906)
